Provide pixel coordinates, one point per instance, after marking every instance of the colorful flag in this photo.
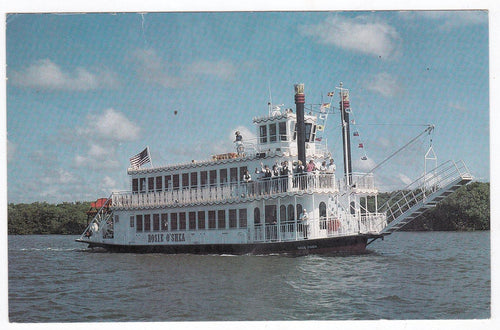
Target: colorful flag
(353, 122)
(319, 139)
(330, 94)
(360, 145)
(140, 159)
(355, 133)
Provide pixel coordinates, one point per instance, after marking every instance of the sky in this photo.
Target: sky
(85, 92)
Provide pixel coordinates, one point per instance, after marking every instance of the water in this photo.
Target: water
(408, 276)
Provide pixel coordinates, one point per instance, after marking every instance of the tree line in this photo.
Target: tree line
(465, 210)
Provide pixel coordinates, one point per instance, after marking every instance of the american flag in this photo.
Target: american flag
(140, 159)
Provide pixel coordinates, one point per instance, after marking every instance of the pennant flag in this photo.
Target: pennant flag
(355, 133)
(320, 127)
(360, 145)
(140, 159)
(364, 158)
(319, 139)
(325, 105)
(330, 94)
(353, 122)
(322, 116)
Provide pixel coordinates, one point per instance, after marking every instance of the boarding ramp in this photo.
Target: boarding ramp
(424, 193)
(102, 222)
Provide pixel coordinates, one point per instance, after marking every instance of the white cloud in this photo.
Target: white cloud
(454, 18)
(47, 75)
(363, 165)
(59, 176)
(360, 34)
(150, 68)
(110, 125)
(406, 180)
(385, 84)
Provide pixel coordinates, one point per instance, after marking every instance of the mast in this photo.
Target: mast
(346, 133)
(300, 99)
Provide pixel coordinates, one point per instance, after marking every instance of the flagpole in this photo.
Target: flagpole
(150, 159)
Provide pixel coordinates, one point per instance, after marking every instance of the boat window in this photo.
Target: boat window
(282, 213)
(256, 215)
(282, 131)
(313, 134)
(194, 180)
(353, 208)
(201, 219)
(132, 222)
(142, 184)
(294, 125)
(138, 222)
(211, 220)
(185, 180)
(203, 178)
(223, 175)
(243, 218)
(164, 221)
(272, 132)
(173, 221)
(168, 182)
(213, 177)
(175, 181)
(156, 222)
(270, 214)
(322, 210)
(159, 181)
(263, 133)
(299, 210)
(308, 132)
(291, 214)
(182, 221)
(221, 219)
(147, 222)
(233, 220)
(151, 184)
(192, 220)
(135, 185)
(233, 175)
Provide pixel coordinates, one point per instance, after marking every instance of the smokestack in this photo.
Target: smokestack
(300, 99)
(344, 105)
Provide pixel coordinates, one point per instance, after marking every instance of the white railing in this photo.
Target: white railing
(363, 181)
(318, 228)
(316, 182)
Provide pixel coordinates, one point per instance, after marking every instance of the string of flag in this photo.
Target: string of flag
(356, 134)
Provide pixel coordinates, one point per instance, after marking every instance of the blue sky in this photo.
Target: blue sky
(87, 91)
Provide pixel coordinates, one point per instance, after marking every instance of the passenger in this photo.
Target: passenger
(311, 167)
(300, 175)
(239, 143)
(267, 178)
(248, 182)
(331, 166)
(323, 167)
(275, 178)
(239, 138)
(305, 224)
(284, 174)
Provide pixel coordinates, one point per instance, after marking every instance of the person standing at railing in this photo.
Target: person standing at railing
(305, 223)
(275, 178)
(331, 167)
(284, 173)
(267, 178)
(247, 178)
(299, 172)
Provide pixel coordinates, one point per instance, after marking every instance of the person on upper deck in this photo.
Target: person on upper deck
(311, 167)
(239, 138)
(331, 167)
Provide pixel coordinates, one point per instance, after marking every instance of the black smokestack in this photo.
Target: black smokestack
(344, 105)
(300, 99)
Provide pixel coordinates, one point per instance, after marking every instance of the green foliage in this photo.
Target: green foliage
(45, 218)
(466, 209)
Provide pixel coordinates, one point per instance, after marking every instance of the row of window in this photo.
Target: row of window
(189, 180)
(277, 131)
(213, 219)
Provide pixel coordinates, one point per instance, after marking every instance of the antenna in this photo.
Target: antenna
(270, 103)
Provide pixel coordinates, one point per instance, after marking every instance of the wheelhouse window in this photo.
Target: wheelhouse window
(142, 184)
(263, 133)
(272, 132)
(322, 215)
(223, 175)
(282, 131)
(256, 216)
(243, 169)
(233, 175)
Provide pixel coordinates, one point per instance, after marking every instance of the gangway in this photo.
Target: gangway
(102, 222)
(424, 193)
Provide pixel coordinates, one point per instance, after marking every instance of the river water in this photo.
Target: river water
(433, 275)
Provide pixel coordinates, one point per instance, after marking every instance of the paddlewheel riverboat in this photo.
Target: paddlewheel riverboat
(278, 194)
